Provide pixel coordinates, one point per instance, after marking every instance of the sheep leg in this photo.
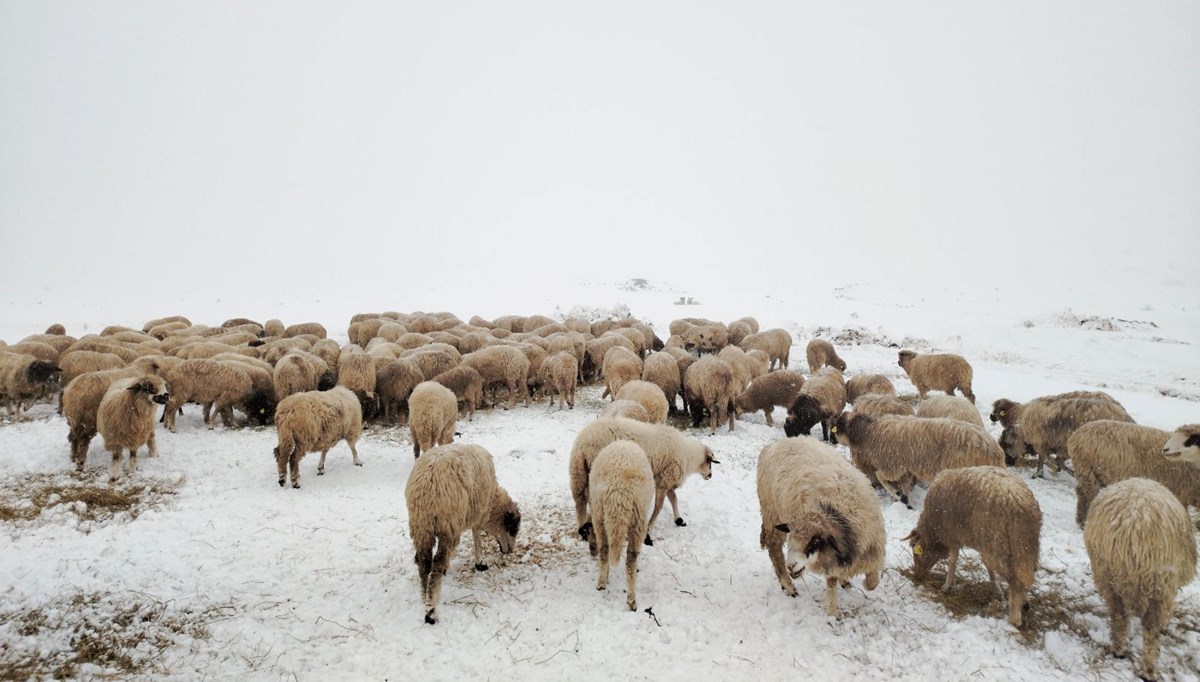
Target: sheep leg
(1118, 622)
(132, 460)
(632, 550)
(321, 464)
(602, 549)
(767, 412)
(675, 508)
(712, 419)
(353, 442)
(1153, 620)
(226, 412)
(152, 445)
(825, 430)
(951, 566)
(831, 585)
(441, 561)
(114, 466)
(207, 410)
(773, 540)
(659, 496)
(281, 462)
(1016, 603)
(294, 466)
(475, 537)
(170, 411)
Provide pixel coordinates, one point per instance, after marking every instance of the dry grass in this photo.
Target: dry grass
(29, 496)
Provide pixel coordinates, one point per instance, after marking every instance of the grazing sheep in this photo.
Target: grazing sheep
(814, 500)
(709, 385)
(1105, 451)
(298, 372)
(467, 386)
(867, 384)
(662, 370)
(274, 351)
(738, 331)
(315, 328)
(356, 371)
(879, 405)
(706, 338)
(559, 374)
(451, 489)
(950, 407)
(36, 349)
(80, 362)
(394, 383)
(649, 396)
(432, 362)
(893, 447)
(1139, 540)
(1008, 413)
(822, 398)
(626, 408)
(311, 421)
(776, 343)
(621, 490)
(24, 377)
(1184, 445)
(991, 511)
(595, 351)
(206, 381)
(742, 366)
(81, 402)
(820, 353)
(173, 319)
(621, 366)
(502, 365)
(1045, 425)
(938, 371)
(766, 392)
(56, 329)
(673, 457)
(432, 415)
(536, 356)
(125, 419)
(259, 406)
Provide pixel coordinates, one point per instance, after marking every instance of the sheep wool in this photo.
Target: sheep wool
(649, 396)
(939, 372)
(621, 490)
(1184, 445)
(125, 419)
(311, 421)
(432, 415)
(820, 353)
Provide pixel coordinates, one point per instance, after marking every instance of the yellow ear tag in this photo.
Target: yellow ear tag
(1001, 413)
(917, 550)
(833, 429)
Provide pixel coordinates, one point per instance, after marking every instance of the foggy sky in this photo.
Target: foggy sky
(364, 145)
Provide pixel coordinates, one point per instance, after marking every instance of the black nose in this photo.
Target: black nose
(161, 399)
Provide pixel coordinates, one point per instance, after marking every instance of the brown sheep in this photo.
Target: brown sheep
(938, 371)
(709, 385)
(620, 367)
(24, 377)
(821, 353)
(467, 386)
(778, 388)
(502, 365)
(1008, 412)
(125, 419)
(432, 415)
(864, 384)
(776, 343)
(315, 420)
(662, 370)
(206, 381)
(394, 383)
(822, 398)
(649, 396)
(1045, 425)
(559, 374)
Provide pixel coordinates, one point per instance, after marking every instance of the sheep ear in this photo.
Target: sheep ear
(783, 528)
(911, 537)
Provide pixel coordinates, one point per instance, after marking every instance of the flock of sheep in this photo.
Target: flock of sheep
(1133, 482)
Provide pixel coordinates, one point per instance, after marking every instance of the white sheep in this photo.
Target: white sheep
(125, 419)
(626, 408)
(620, 490)
(649, 396)
(560, 373)
(451, 489)
(315, 420)
(432, 415)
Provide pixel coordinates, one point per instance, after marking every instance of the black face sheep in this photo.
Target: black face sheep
(709, 386)
(899, 447)
(991, 511)
(1139, 540)
(502, 365)
(467, 386)
(815, 501)
(820, 353)
(950, 407)
(311, 421)
(1184, 445)
(432, 415)
(868, 384)
(662, 370)
(766, 392)
(1045, 425)
(25, 378)
(938, 371)
(451, 489)
(822, 398)
(126, 421)
(207, 381)
(776, 343)
(1008, 412)
(673, 457)
(560, 372)
(621, 490)
(649, 396)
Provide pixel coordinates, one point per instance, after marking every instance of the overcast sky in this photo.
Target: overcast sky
(359, 145)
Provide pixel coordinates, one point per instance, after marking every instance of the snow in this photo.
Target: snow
(321, 582)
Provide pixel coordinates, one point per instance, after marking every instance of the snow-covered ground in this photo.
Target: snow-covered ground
(223, 574)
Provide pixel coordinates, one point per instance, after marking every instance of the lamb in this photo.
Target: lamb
(822, 398)
(1045, 425)
(125, 419)
(673, 457)
(298, 371)
(311, 421)
(764, 393)
(649, 396)
(950, 407)
(626, 408)
(987, 509)
(621, 490)
(1008, 412)
(467, 386)
(620, 367)
(502, 364)
(206, 381)
(709, 385)
(813, 499)
(1105, 451)
(867, 384)
(662, 370)
(776, 343)
(820, 353)
(432, 415)
(559, 373)
(1139, 540)
(394, 384)
(938, 371)
(315, 328)
(24, 377)
(879, 405)
(451, 489)
(893, 447)
(1184, 445)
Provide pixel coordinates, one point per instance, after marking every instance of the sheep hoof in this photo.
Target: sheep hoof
(281, 482)
(680, 522)
(320, 472)
(296, 485)
(358, 464)
(480, 567)
(430, 619)
(585, 530)
(648, 542)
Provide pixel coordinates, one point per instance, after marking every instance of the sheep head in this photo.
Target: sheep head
(706, 466)
(926, 552)
(804, 414)
(504, 520)
(260, 408)
(1184, 445)
(41, 372)
(906, 357)
(1004, 410)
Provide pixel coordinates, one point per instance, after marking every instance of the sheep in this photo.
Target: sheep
(260, 405)
(640, 343)
(329, 351)
(776, 343)
(1045, 425)
(893, 447)
(821, 398)
(502, 364)
(273, 327)
(467, 386)
(394, 384)
(60, 343)
(81, 402)
(315, 420)
(299, 371)
(451, 489)
(161, 331)
(629, 409)
(274, 351)
(559, 374)
(764, 393)
(80, 362)
(621, 490)
(649, 396)
(620, 367)
(37, 349)
(709, 385)
(758, 362)
(865, 384)
(739, 330)
(1008, 412)
(938, 371)
(673, 457)
(315, 328)
(1139, 540)
(594, 352)
(24, 377)
(820, 353)
(991, 511)
(536, 356)
(662, 370)
(206, 381)
(1184, 445)
(879, 405)
(742, 366)
(56, 329)
(950, 407)
(709, 338)
(811, 498)
(432, 415)
(166, 320)
(1105, 451)
(356, 371)
(125, 419)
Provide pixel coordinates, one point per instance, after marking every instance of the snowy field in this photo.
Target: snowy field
(211, 570)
